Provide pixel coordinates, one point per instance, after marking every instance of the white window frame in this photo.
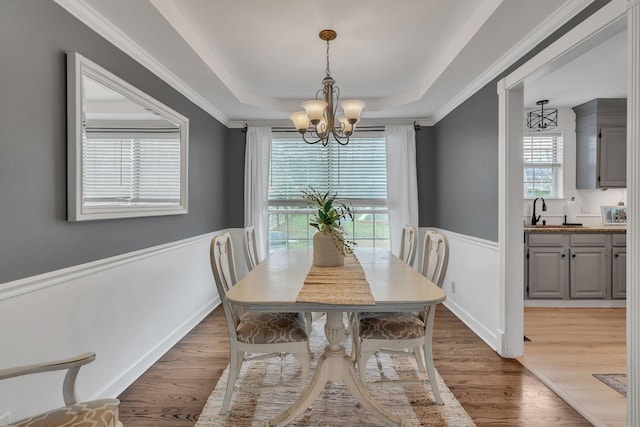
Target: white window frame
(556, 165)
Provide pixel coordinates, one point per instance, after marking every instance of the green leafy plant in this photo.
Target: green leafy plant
(329, 217)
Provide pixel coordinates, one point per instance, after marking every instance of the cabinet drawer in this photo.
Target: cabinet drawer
(588, 240)
(546, 239)
(618, 240)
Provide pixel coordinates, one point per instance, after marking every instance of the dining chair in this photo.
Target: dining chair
(98, 413)
(260, 334)
(408, 244)
(250, 247)
(376, 332)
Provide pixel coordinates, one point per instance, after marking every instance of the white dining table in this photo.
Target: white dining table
(274, 284)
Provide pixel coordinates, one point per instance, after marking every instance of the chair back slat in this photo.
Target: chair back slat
(408, 244)
(224, 273)
(250, 247)
(435, 257)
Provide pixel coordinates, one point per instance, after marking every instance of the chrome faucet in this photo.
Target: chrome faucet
(534, 219)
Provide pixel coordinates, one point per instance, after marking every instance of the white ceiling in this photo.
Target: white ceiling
(256, 60)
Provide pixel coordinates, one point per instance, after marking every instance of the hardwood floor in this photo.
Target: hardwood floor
(569, 345)
(494, 391)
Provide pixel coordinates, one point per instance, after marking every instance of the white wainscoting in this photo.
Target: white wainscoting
(473, 266)
(129, 310)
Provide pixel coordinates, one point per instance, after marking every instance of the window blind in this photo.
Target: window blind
(542, 150)
(356, 172)
(134, 169)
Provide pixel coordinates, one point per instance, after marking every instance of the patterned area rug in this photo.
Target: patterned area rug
(335, 406)
(618, 382)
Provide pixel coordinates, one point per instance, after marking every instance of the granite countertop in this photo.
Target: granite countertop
(574, 229)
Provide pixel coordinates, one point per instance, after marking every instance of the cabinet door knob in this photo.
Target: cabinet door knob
(616, 255)
(564, 255)
(573, 256)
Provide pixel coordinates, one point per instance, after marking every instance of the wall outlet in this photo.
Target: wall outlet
(5, 418)
(453, 287)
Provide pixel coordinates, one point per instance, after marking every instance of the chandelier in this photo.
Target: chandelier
(321, 113)
(540, 120)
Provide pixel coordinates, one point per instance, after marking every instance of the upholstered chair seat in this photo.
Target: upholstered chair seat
(95, 413)
(390, 326)
(271, 328)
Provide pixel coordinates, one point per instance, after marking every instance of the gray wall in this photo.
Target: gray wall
(465, 157)
(426, 174)
(236, 141)
(465, 165)
(34, 234)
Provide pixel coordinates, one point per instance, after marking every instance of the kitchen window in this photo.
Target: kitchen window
(542, 165)
(357, 172)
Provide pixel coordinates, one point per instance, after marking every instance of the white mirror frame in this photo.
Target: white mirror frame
(77, 67)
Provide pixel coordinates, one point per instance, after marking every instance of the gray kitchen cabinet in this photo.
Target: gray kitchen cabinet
(601, 143)
(547, 273)
(564, 265)
(619, 267)
(589, 276)
(588, 273)
(547, 266)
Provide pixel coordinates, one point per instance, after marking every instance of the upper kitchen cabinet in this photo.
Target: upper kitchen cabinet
(601, 143)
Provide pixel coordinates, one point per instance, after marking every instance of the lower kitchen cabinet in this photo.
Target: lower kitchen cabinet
(575, 266)
(547, 273)
(619, 273)
(589, 276)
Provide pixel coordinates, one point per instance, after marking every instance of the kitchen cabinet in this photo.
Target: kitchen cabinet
(619, 267)
(547, 267)
(601, 143)
(589, 269)
(584, 265)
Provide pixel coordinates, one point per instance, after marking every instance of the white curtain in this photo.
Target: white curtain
(256, 183)
(402, 183)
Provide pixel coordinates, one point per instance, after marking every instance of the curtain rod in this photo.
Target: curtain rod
(280, 129)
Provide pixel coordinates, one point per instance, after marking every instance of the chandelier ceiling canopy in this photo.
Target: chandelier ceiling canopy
(321, 112)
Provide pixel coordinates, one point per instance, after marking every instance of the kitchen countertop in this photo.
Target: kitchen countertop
(573, 229)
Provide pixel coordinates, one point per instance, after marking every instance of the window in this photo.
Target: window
(357, 172)
(542, 165)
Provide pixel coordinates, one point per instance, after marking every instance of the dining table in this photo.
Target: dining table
(284, 282)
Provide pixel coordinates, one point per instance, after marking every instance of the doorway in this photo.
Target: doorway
(511, 109)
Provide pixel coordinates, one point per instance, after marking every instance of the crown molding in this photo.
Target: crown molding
(568, 10)
(91, 18)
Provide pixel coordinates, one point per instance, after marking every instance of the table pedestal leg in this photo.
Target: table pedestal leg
(335, 365)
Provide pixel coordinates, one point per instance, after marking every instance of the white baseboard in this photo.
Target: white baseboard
(490, 338)
(613, 303)
(122, 382)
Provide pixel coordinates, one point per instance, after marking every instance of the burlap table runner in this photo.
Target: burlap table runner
(337, 285)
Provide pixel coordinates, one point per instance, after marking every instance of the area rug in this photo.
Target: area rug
(618, 382)
(335, 406)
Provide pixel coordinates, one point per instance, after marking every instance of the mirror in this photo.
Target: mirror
(126, 152)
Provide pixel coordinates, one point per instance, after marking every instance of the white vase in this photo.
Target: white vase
(326, 252)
